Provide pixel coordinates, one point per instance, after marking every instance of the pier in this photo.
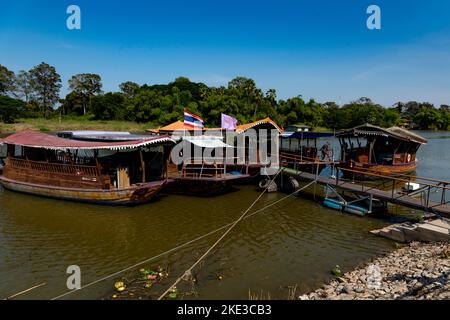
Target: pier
(386, 188)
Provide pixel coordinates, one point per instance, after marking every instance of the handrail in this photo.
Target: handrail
(395, 178)
(52, 167)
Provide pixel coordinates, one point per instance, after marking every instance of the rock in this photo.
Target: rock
(416, 271)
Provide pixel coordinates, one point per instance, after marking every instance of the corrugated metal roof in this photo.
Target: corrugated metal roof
(36, 139)
(371, 130)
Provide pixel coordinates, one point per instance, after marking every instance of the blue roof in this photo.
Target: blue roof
(306, 135)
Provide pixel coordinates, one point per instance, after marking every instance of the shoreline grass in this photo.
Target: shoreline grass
(56, 124)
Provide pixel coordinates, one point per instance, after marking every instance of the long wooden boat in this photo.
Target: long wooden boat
(113, 173)
(371, 149)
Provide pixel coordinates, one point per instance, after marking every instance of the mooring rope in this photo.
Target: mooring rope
(179, 246)
(188, 273)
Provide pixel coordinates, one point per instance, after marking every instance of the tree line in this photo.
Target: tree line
(36, 93)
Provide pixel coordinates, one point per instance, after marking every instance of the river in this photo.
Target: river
(296, 242)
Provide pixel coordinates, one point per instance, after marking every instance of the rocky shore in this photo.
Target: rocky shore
(416, 271)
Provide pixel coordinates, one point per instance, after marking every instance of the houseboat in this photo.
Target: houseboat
(203, 176)
(202, 172)
(118, 173)
(369, 152)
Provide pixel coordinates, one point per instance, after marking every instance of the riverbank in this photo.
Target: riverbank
(66, 123)
(418, 271)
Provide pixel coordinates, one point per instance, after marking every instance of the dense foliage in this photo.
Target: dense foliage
(35, 93)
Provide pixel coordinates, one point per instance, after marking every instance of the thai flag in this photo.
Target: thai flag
(193, 120)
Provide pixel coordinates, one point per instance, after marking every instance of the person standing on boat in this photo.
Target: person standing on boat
(325, 151)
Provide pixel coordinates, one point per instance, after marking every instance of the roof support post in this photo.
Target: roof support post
(142, 164)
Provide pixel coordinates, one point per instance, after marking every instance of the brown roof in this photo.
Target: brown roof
(371, 130)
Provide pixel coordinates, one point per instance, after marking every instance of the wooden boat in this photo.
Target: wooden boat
(250, 168)
(116, 173)
(371, 149)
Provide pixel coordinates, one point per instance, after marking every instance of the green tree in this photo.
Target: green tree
(10, 109)
(45, 83)
(428, 119)
(109, 106)
(86, 85)
(73, 104)
(23, 85)
(6, 80)
(129, 88)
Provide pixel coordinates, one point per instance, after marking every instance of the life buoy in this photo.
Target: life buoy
(408, 158)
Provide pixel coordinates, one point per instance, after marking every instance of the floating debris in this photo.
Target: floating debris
(173, 293)
(120, 286)
(336, 271)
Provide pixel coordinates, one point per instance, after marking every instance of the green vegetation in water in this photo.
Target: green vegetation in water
(336, 271)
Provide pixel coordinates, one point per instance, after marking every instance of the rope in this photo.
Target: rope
(179, 246)
(188, 273)
(25, 291)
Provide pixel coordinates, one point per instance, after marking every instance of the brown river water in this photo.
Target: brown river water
(296, 242)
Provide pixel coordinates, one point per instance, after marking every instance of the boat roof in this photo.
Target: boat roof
(244, 127)
(180, 126)
(306, 135)
(393, 132)
(102, 135)
(36, 139)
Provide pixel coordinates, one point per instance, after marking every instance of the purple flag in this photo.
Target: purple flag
(228, 122)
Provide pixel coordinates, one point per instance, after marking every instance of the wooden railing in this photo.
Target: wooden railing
(69, 169)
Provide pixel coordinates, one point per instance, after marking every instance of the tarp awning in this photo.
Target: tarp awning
(207, 142)
(36, 139)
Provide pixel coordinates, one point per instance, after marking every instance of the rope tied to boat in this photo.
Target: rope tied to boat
(189, 271)
(184, 244)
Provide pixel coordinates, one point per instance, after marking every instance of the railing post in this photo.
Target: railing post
(393, 188)
(337, 176)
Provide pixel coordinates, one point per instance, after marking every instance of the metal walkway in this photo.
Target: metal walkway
(392, 195)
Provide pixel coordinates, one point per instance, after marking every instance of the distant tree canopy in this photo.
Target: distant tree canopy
(34, 93)
(10, 109)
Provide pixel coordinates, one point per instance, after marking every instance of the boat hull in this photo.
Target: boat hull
(367, 172)
(203, 187)
(133, 196)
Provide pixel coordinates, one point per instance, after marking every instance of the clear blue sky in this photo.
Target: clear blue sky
(320, 49)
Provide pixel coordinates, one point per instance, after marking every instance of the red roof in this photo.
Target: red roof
(36, 139)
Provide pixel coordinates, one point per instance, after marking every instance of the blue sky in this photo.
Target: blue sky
(320, 49)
